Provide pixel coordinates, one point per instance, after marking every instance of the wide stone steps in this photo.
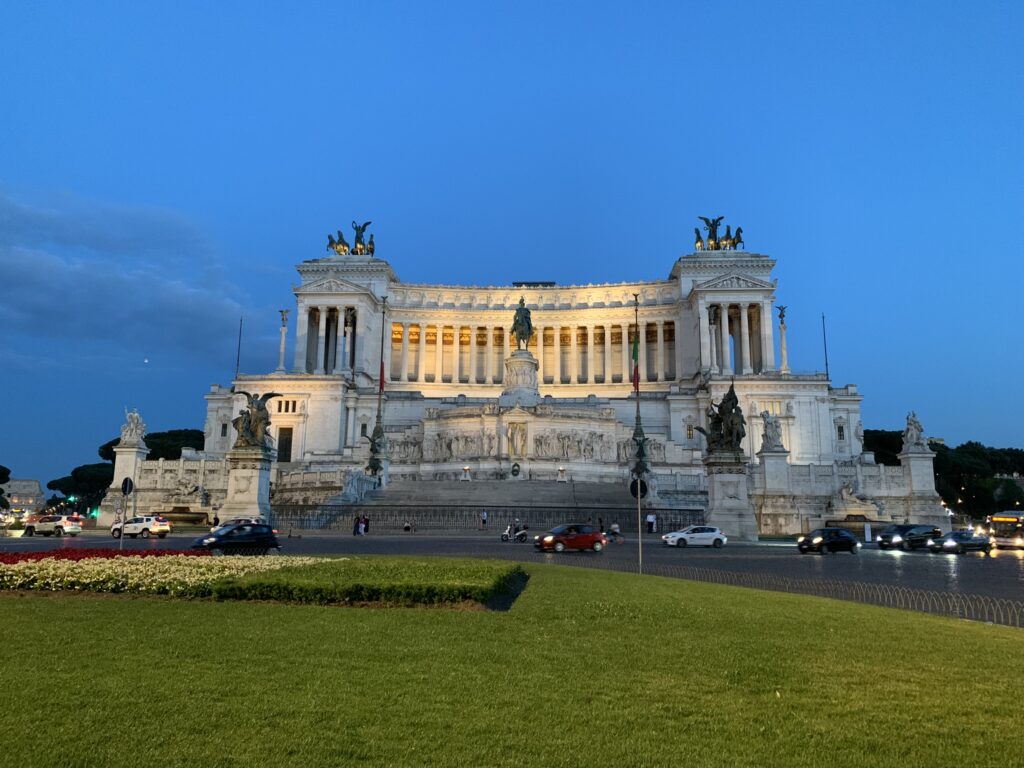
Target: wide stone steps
(503, 493)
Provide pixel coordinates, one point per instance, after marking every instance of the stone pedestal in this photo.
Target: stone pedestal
(924, 503)
(729, 505)
(127, 461)
(248, 484)
(775, 464)
(520, 381)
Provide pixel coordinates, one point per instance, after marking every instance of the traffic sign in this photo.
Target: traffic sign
(633, 489)
(127, 486)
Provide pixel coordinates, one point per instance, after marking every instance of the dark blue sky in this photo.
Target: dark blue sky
(163, 167)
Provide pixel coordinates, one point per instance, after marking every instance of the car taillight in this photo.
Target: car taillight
(274, 530)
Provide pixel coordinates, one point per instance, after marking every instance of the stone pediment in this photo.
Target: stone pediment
(332, 285)
(734, 281)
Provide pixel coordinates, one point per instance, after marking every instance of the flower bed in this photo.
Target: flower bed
(10, 558)
(171, 574)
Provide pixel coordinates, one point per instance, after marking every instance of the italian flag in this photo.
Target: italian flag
(636, 361)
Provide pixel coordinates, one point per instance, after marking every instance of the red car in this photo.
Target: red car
(571, 536)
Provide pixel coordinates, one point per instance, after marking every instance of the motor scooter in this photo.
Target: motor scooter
(512, 535)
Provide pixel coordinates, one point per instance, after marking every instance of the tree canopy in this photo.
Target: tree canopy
(162, 445)
(5, 477)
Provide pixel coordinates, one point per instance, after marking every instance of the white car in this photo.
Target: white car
(696, 536)
(54, 525)
(143, 526)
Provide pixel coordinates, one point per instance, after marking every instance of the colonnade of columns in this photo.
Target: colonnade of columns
(727, 343)
(566, 354)
(325, 339)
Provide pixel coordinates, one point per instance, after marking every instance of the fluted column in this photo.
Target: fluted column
(677, 347)
(419, 351)
(301, 341)
(345, 340)
(705, 337)
(489, 365)
(359, 339)
(438, 353)
(574, 354)
(713, 336)
(642, 351)
(540, 355)
(403, 373)
(388, 330)
(661, 367)
(556, 376)
(745, 337)
(627, 369)
(607, 372)
(321, 342)
(767, 344)
(472, 354)
(457, 351)
(723, 330)
(591, 357)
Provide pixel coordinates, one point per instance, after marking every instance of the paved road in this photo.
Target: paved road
(1000, 575)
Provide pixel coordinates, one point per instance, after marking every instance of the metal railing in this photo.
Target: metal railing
(387, 517)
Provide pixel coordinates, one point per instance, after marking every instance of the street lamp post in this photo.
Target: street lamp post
(640, 468)
(376, 464)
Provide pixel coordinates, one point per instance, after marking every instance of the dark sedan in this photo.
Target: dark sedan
(907, 537)
(825, 540)
(959, 542)
(572, 536)
(243, 539)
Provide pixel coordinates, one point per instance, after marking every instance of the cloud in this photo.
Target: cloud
(89, 274)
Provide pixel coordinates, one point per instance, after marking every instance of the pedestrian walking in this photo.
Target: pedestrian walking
(366, 524)
(600, 524)
(360, 526)
(483, 520)
(652, 521)
(355, 525)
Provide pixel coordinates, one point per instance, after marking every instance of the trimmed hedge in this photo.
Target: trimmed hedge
(392, 581)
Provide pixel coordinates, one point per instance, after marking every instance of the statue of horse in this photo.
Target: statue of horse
(737, 239)
(698, 241)
(726, 242)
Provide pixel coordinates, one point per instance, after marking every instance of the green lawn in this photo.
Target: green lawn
(588, 668)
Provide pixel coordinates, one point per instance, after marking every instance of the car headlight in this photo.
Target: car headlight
(209, 540)
(897, 539)
(949, 543)
(816, 540)
(549, 539)
(931, 542)
(878, 538)
(801, 540)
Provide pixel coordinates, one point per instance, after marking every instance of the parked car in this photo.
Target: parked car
(145, 527)
(54, 525)
(960, 542)
(825, 540)
(242, 539)
(571, 536)
(696, 536)
(907, 537)
(239, 521)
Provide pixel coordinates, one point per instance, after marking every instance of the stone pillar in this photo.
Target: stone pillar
(574, 354)
(627, 370)
(388, 329)
(540, 355)
(489, 364)
(321, 342)
(706, 356)
(591, 376)
(767, 344)
(439, 354)
(457, 354)
(339, 342)
(346, 340)
(359, 339)
(723, 329)
(403, 374)
(661, 368)
(713, 335)
(556, 377)
(421, 353)
(745, 337)
(301, 325)
(782, 347)
(677, 348)
(607, 372)
(472, 354)
(127, 461)
(642, 350)
(350, 419)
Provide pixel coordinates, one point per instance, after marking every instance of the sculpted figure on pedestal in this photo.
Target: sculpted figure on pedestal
(913, 434)
(253, 423)
(133, 430)
(771, 440)
(359, 246)
(522, 325)
(725, 430)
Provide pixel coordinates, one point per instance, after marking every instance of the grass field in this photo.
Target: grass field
(588, 668)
